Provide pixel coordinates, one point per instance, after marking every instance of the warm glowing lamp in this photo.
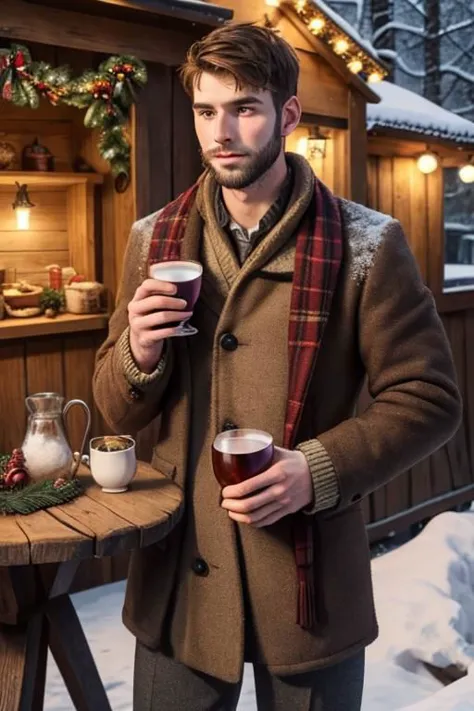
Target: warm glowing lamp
(316, 143)
(302, 146)
(272, 3)
(22, 206)
(317, 25)
(300, 5)
(466, 173)
(427, 163)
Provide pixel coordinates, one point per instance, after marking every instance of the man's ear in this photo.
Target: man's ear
(290, 116)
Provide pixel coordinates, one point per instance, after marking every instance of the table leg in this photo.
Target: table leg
(73, 657)
(45, 617)
(23, 652)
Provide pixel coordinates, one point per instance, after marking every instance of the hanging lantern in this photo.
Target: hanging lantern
(22, 206)
(302, 146)
(316, 145)
(427, 163)
(466, 173)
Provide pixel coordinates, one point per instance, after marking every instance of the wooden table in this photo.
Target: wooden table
(39, 556)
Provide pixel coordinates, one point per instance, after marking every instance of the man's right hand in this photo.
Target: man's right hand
(151, 309)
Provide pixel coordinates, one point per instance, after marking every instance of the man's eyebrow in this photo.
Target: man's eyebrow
(242, 101)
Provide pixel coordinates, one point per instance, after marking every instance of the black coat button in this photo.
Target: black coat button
(229, 342)
(229, 425)
(200, 567)
(135, 393)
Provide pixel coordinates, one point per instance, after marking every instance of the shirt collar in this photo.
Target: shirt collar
(269, 218)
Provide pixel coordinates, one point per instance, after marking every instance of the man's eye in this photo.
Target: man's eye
(244, 110)
(206, 113)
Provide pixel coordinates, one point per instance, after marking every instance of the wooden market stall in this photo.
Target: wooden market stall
(419, 171)
(82, 219)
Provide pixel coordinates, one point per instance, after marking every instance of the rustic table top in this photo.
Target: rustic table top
(95, 523)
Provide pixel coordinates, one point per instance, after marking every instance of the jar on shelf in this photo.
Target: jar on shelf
(55, 277)
(37, 157)
(7, 155)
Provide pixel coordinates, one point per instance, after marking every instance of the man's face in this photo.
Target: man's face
(239, 131)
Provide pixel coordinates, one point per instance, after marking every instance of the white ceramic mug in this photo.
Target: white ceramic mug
(113, 471)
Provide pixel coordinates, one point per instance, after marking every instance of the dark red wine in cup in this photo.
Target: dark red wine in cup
(238, 455)
(187, 277)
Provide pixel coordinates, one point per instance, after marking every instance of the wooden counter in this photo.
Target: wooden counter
(43, 326)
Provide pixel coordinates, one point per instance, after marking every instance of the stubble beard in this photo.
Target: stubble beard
(257, 164)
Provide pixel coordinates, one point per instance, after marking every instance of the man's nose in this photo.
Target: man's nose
(223, 129)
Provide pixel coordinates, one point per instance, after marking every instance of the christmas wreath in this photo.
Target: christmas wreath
(19, 496)
(107, 94)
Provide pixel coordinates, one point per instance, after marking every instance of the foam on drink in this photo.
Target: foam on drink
(243, 443)
(175, 272)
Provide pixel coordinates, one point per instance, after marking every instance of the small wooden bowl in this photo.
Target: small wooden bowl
(22, 300)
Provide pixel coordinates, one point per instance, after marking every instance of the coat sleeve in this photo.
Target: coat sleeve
(416, 404)
(127, 398)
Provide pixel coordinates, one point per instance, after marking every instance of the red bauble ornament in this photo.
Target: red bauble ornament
(16, 471)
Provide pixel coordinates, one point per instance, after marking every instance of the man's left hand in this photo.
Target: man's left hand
(282, 489)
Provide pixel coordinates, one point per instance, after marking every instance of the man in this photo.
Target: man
(303, 295)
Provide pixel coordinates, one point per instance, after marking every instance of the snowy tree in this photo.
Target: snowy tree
(432, 41)
(429, 45)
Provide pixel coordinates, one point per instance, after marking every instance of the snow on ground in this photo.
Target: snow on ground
(424, 593)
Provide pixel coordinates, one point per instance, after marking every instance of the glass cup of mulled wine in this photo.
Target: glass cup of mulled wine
(238, 455)
(187, 277)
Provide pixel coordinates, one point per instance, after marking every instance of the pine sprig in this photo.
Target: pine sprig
(40, 495)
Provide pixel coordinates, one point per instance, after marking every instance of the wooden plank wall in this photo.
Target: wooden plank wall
(25, 254)
(397, 187)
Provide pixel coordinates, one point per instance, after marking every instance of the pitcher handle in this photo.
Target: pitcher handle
(77, 455)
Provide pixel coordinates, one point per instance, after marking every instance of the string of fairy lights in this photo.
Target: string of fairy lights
(360, 63)
(323, 27)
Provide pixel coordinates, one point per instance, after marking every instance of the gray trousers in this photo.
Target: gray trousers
(163, 684)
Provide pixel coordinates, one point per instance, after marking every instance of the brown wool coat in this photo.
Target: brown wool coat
(384, 323)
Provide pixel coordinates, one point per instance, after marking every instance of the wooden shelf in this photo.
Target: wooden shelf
(42, 326)
(53, 179)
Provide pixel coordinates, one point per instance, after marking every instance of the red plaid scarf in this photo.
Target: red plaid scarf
(317, 263)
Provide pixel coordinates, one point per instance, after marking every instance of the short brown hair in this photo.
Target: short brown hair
(255, 57)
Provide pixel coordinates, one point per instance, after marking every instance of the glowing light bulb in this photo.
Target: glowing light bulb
(427, 163)
(466, 173)
(272, 3)
(302, 146)
(22, 218)
(300, 5)
(375, 77)
(341, 46)
(355, 66)
(317, 25)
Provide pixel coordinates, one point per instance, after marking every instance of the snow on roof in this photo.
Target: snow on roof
(347, 29)
(403, 109)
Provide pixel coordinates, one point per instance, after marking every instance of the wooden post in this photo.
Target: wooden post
(357, 153)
